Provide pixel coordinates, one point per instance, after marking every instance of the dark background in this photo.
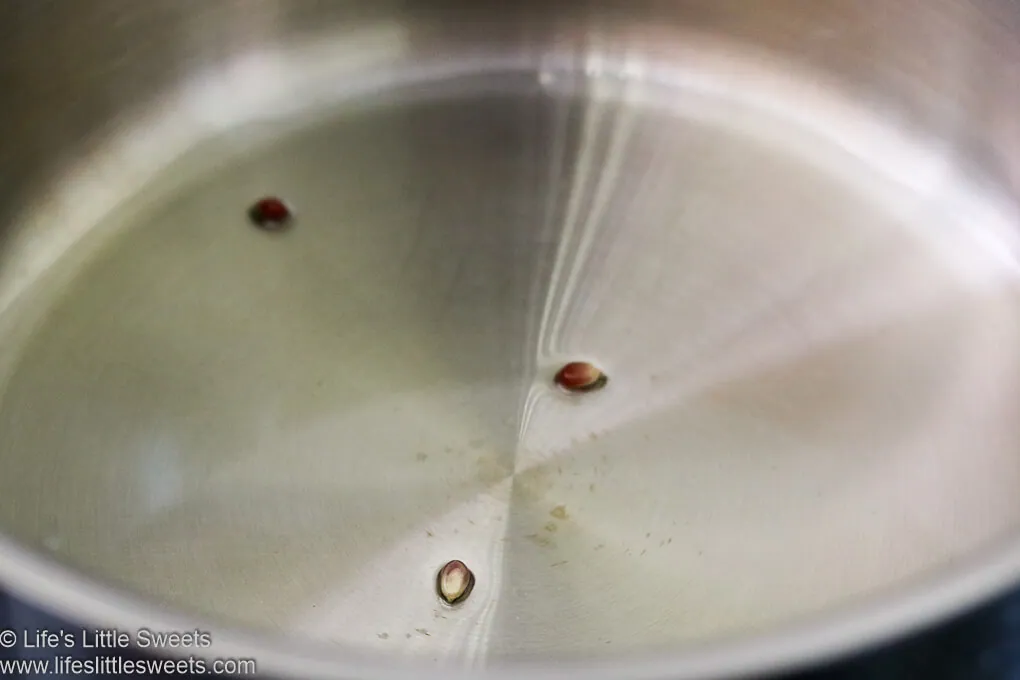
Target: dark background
(983, 644)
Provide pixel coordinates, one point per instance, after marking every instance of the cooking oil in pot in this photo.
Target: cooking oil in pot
(803, 325)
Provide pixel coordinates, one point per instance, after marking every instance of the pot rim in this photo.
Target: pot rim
(880, 618)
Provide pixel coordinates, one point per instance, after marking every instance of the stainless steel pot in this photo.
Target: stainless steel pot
(786, 232)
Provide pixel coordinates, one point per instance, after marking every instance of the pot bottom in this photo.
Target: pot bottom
(808, 326)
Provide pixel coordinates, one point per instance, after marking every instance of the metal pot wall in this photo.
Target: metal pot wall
(783, 233)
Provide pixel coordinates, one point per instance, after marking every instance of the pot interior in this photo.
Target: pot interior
(809, 325)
